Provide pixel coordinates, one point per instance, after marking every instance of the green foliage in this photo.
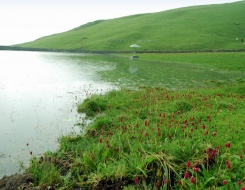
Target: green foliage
(44, 173)
(92, 106)
(206, 27)
(183, 106)
(102, 122)
(122, 148)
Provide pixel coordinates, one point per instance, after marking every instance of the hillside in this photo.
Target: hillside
(191, 28)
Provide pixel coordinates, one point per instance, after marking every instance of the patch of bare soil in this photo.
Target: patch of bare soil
(17, 182)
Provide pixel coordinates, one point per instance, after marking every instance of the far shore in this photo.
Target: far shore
(16, 48)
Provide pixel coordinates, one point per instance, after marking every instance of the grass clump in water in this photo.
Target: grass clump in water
(92, 106)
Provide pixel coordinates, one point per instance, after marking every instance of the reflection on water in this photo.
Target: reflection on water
(39, 93)
(128, 72)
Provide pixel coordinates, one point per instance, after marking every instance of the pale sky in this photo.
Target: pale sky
(26, 20)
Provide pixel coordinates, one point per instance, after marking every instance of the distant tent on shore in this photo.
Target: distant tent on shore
(134, 46)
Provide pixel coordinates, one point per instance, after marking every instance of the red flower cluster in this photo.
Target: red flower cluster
(211, 152)
(228, 164)
(195, 169)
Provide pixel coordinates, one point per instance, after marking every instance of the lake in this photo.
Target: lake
(39, 93)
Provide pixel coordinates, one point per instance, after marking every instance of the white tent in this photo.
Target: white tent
(134, 46)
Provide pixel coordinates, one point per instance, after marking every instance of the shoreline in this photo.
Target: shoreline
(16, 48)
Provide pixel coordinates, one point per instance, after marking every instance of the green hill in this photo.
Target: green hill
(208, 27)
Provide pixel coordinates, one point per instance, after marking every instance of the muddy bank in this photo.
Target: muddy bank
(17, 181)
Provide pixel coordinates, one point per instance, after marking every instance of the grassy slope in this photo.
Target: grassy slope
(191, 28)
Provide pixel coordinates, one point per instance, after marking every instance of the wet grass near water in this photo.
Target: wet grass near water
(153, 138)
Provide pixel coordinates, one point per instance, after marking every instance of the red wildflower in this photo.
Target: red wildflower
(228, 145)
(147, 123)
(228, 164)
(214, 152)
(188, 164)
(136, 180)
(100, 140)
(204, 126)
(224, 182)
(243, 188)
(208, 151)
(117, 149)
(179, 112)
(159, 134)
(192, 180)
(186, 176)
(239, 183)
(30, 152)
(214, 133)
(169, 136)
(159, 183)
(195, 169)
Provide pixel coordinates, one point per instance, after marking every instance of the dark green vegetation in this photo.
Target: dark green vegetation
(211, 27)
(153, 138)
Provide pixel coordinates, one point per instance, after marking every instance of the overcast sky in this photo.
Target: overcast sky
(26, 20)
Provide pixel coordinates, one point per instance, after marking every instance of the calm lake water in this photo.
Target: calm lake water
(39, 93)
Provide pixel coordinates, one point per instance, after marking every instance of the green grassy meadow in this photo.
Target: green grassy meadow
(153, 138)
(209, 27)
